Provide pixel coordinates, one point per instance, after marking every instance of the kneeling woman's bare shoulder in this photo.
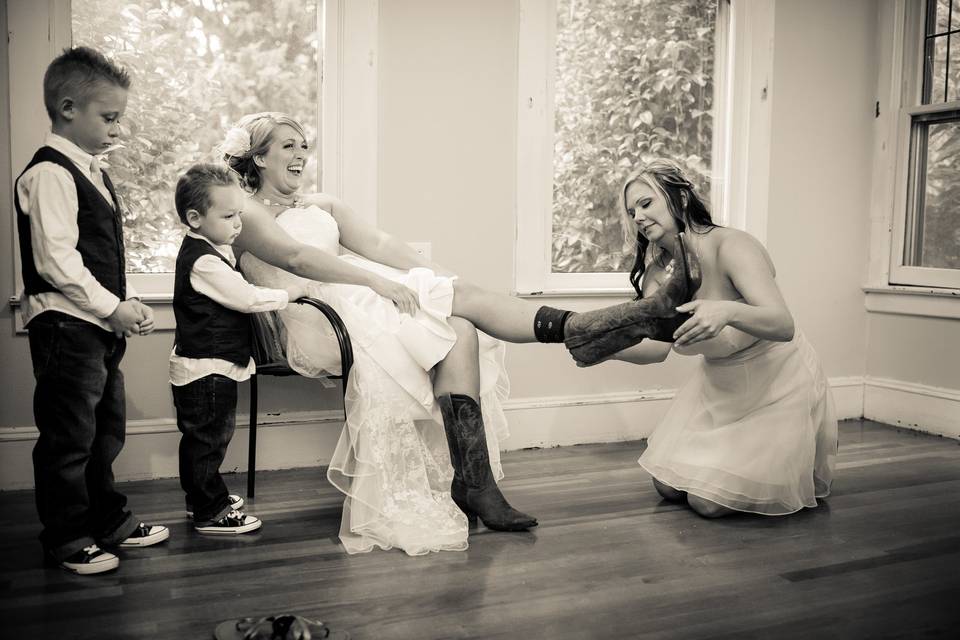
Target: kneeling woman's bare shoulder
(738, 251)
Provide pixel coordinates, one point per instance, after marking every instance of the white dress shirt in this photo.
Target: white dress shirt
(47, 195)
(212, 278)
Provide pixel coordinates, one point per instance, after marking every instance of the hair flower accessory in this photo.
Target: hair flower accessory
(236, 143)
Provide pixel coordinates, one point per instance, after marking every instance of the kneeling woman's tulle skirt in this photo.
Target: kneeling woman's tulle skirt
(755, 431)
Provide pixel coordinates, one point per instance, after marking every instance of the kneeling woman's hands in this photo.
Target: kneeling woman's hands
(402, 296)
(709, 318)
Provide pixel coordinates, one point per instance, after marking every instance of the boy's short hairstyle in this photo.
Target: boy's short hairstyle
(76, 73)
(193, 187)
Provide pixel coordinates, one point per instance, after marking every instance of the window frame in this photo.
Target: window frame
(39, 31)
(535, 113)
(908, 69)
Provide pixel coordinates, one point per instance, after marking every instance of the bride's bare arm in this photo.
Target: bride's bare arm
(368, 241)
(264, 238)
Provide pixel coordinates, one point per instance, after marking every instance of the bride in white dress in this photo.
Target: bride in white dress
(424, 398)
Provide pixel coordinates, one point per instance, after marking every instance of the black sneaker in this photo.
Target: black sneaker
(231, 524)
(88, 561)
(235, 503)
(145, 535)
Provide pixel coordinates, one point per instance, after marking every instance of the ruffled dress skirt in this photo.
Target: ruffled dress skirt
(754, 431)
(392, 461)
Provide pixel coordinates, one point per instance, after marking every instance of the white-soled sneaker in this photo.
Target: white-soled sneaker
(145, 535)
(235, 503)
(231, 524)
(88, 561)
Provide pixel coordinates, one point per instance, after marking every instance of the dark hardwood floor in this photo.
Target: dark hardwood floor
(880, 558)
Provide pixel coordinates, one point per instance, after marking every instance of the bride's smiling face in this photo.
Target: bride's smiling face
(284, 161)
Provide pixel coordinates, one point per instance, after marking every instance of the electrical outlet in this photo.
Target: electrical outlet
(423, 248)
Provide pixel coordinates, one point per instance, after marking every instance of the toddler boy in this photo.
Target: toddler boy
(213, 347)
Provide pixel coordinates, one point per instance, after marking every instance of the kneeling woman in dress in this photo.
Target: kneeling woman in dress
(754, 430)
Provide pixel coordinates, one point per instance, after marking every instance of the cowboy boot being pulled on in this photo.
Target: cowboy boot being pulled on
(594, 335)
(474, 489)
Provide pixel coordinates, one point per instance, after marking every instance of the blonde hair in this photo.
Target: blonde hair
(260, 126)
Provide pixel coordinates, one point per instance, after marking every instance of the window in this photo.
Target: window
(199, 65)
(604, 87)
(926, 243)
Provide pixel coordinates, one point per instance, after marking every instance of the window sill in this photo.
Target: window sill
(161, 303)
(618, 292)
(913, 301)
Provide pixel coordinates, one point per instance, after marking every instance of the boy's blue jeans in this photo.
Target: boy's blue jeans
(206, 416)
(80, 410)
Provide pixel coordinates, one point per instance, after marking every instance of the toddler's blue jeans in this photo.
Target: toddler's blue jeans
(206, 416)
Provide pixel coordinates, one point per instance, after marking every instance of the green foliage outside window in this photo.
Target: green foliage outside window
(197, 66)
(634, 81)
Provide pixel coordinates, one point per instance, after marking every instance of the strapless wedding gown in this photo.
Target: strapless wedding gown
(754, 430)
(392, 461)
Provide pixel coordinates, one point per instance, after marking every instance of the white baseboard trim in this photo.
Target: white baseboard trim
(847, 396)
(914, 406)
(307, 439)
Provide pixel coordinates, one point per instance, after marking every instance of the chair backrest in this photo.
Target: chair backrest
(269, 340)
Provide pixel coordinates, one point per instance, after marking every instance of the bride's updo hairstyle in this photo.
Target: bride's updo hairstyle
(251, 137)
(683, 201)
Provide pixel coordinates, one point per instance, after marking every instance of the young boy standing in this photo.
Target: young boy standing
(212, 353)
(79, 310)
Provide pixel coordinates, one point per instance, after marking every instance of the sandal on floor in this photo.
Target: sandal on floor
(285, 626)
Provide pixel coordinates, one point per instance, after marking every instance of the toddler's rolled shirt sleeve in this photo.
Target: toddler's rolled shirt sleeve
(51, 205)
(211, 277)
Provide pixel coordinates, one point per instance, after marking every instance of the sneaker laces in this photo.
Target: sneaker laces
(91, 550)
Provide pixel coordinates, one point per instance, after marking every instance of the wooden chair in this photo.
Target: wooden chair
(270, 355)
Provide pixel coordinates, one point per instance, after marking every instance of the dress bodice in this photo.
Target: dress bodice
(313, 226)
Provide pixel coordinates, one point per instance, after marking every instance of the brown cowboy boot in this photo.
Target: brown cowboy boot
(594, 335)
(474, 489)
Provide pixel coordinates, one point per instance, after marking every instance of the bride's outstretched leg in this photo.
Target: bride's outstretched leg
(502, 316)
(457, 388)
(506, 317)
(593, 335)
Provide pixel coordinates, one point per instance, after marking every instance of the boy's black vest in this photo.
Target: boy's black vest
(206, 329)
(100, 243)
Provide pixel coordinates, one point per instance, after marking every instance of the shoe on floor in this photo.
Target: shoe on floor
(233, 523)
(235, 503)
(88, 561)
(145, 535)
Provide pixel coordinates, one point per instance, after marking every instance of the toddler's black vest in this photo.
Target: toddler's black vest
(100, 243)
(206, 329)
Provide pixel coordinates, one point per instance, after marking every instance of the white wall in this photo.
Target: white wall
(446, 176)
(824, 83)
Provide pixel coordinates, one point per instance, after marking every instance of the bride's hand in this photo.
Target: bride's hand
(402, 296)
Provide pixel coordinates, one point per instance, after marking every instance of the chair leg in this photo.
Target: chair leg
(252, 446)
